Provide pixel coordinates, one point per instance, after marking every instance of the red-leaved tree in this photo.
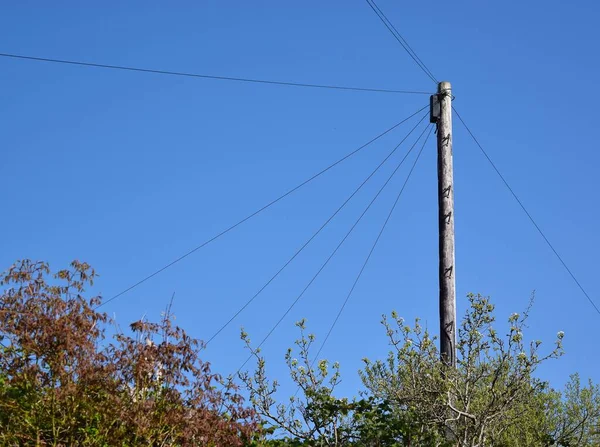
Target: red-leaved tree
(63, 383)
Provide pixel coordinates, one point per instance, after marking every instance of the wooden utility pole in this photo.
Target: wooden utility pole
(441, 114)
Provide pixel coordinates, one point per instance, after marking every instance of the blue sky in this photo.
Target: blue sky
(128, 171)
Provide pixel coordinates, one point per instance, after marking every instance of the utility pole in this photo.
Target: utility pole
(441, 114)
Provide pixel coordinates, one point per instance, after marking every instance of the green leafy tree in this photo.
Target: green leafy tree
(576, 417)
(570, 418)
(475, 403)
(491, 398)
(316, 417)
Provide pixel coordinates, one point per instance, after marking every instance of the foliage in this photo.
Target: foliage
(570, 418)
(63, 384)
(491, 398)
(474, 403)
(318, 418)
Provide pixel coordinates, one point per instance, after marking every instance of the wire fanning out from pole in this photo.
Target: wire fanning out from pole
(372, 249)
(288, 310)
(213, 77)
(401, 40)
(364, 182)
(537, 227)
(337, 317)
(263, 208)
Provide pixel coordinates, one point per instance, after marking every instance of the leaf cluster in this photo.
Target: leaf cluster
(63, 383)
(413, 398)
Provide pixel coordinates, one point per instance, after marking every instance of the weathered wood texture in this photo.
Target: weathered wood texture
(447, 270)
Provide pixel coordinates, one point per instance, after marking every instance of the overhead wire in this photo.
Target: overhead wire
(423, 67)
(406, 44)
(530, 217)
(357, 279)
(401, 40)
(312, 237)
(337, 317)
(263, 208)
(333, 253)
(206, 76)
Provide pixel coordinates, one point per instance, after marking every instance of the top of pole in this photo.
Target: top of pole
(444, 86)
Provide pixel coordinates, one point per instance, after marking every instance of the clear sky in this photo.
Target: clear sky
(128, 171)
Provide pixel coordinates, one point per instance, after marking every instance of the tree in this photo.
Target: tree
(570, 418)
(63, 384)
(491, 398)
(316, 417)
(475, 403)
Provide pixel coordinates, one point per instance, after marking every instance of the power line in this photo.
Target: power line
(316, 357)
(364, 182)
(288, 310)
(401, 40)
(372, 248)
(527, 212)
(205, 76)
(408, 47)
(273, 202)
